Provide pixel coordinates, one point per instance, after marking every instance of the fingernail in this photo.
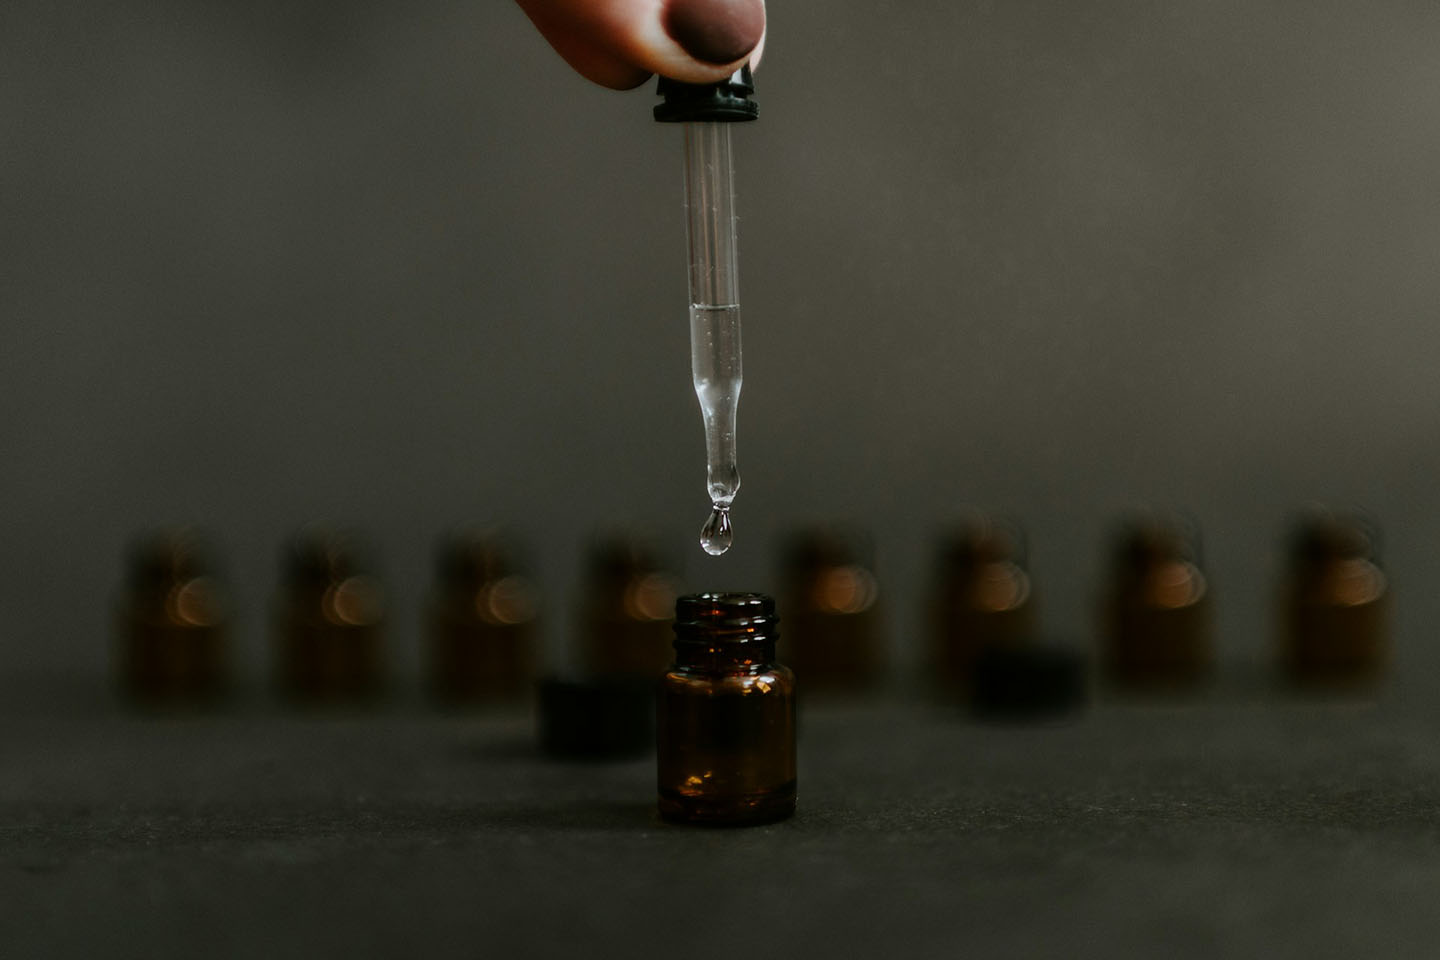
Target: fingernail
(716, 31)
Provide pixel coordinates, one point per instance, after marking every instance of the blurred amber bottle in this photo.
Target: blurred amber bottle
(331, 616)
(482, 624)
(1157, 613)
(983, 600)
(171, 623)
(832, 602)
(627, 611)
(1336, 602)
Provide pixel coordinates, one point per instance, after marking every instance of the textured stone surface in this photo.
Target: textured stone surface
(1289, 829)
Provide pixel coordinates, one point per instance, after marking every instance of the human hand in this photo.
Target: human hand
(620, 43)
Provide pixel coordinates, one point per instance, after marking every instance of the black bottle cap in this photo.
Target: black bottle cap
(725, 102)
(1027, 683)
(604, 719)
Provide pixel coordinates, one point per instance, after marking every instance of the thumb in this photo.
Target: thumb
(620, 43)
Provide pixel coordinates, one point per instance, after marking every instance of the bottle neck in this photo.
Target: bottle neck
(722, 654)
(725, 632)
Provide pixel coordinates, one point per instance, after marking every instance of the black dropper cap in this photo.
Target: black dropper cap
(596, 719)
(725, 102)
(1027, 683)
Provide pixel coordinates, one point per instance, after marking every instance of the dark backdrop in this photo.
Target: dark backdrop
(392, 264)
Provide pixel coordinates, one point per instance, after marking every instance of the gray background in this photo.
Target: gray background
(394, 265)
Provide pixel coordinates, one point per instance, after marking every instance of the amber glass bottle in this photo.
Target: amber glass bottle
(834, 637)
(625, 625)
(1335, 633)
(1157, 614)
(171, 623)
(983, 601)
(482, 624)
(330, 621)
(726, 715)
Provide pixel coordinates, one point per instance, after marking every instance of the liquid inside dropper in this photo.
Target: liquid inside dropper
(715, 536)
(715, 365)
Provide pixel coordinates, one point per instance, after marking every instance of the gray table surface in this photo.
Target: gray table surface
(1212, 828)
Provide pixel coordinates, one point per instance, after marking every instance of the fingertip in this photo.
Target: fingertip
(758, 52)
(564, 26)
(606, 71)
(715, 31)
(621, 43)
(619, 77)
(691, 71)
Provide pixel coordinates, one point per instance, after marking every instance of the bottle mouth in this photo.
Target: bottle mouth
(736, 616)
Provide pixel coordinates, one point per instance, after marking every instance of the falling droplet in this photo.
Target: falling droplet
(715, 536)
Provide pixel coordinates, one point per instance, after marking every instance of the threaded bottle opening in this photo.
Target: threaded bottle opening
(732, 617)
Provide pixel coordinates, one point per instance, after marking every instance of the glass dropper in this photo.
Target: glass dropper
(707, 111)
